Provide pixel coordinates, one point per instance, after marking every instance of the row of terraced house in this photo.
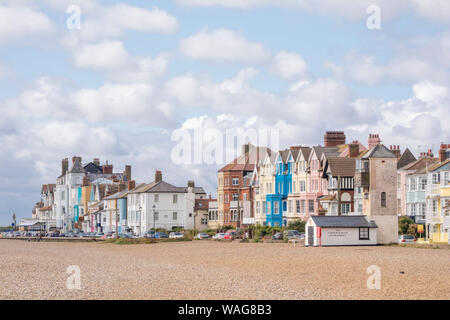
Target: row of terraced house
(275, 188)
(90, 197)
(261, 186)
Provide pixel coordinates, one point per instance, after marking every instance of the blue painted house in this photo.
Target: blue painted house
(276, 202)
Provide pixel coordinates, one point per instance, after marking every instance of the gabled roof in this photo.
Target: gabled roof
(406, 158)
(247, 161)
(440, 166)
(284, 154)
(295, 151)
(419, 165)
(379, 151)
(93, 168)
(344, 167)
(76, 168)
(305, 151)
(343, 222)
(319, 150)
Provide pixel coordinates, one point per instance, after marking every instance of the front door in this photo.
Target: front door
(310, 236)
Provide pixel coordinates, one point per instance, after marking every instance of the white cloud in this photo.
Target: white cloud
(435, 10)
(289, 65)
(404, 69)
(130, 103)
(112, 57)
(21, 22)
(223, 45)
(430, 92)
(114, 21)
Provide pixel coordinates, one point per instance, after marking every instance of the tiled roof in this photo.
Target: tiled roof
(76, 168)
(319, 150)
(420, 165)
(344, 167)
(406, 158)
(284, 155)
(379, 151)
(343, 222)
(247, 161)
(306, 151)
(438, 165)
(327, 197)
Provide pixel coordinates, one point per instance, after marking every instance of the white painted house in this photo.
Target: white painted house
(162, 205)
(340, 231)
(67, 185)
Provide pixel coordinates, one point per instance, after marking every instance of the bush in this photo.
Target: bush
(297, 225)
(406, 226)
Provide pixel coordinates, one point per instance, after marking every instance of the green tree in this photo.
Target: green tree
(405, 225)
(297, 225)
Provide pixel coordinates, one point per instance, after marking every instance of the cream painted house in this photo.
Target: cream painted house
(298, 199)
(266, 184)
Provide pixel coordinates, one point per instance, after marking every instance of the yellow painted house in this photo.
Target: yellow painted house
(438, 202)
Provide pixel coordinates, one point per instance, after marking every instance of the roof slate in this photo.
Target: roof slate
(344, 167)
(406, 158)
(343, 222)
(379, 151)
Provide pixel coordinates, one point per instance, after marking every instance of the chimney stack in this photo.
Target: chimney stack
(443, 153)
(353, 150)
(96, 161)
(396, 151)
(122, 186)
(64, 166)
(127, 172)
(107, 168)
(373, 140)
(85, 181)
(191, 183)
(76, 159)
(334, 138)
(131, 185)
(158, 176)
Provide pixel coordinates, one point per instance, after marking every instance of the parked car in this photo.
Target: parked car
(99, 234)
(161, 235)
(294, 234)
(124, 235)
(149, 234)
(230, 235)
(176, 235)
(277, 236)
(219, 236)
(406, 238)
(202, 235)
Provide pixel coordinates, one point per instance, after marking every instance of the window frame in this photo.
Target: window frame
(364, 229)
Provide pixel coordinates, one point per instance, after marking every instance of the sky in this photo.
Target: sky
(120, 80)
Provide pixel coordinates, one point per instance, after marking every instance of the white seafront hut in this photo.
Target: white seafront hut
(340, 231)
